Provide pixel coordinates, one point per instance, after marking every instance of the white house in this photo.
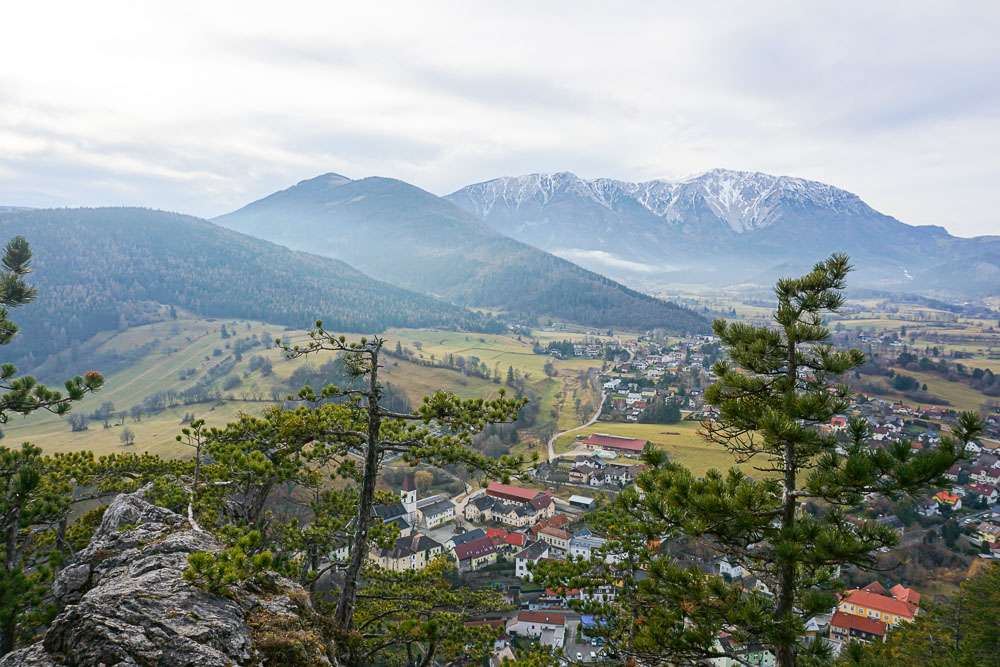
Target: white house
(727, 569)
(531, 554)
(546, 626)
(584, 545)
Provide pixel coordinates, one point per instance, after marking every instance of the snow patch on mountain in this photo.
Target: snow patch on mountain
(744, 200)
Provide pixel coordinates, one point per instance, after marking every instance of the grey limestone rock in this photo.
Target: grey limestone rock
(124, 601)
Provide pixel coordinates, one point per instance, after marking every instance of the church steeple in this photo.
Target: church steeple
(408, 497)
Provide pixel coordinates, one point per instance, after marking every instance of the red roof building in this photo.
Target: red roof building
(475, 549)
(847, 627)
(500, 536)
(632, 445)
(557, 521)
(905, 594)
(947, 498)
(541, 617)
(882, 607)
(510, 492)
(876, 588)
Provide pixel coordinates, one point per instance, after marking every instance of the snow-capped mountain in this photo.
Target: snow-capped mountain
(743, 200)
(720, 226)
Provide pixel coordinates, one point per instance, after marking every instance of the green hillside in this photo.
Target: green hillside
(108, 268)
(409, 237)
(187, 367)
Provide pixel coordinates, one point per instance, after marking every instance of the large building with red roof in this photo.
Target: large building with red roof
(616, 443)
(871, 602)
(475, 555)
(514, 493)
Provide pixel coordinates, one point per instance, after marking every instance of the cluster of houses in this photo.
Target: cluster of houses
(510, 505)
(529, 530)
(591, 351)
(976, 481)
(627, 401)
(594, 471)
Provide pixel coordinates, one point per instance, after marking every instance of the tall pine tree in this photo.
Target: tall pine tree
(776, 388)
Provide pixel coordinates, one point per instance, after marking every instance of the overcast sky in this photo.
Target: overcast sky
(202, 107)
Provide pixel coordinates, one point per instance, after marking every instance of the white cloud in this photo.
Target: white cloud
(201, 107)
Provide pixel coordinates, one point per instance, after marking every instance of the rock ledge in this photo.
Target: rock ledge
(124, 601)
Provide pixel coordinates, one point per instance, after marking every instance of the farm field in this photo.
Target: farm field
(187, 348)
(960, 396)
(681, 442)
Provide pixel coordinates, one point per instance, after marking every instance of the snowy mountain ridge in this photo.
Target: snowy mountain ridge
(744, 200)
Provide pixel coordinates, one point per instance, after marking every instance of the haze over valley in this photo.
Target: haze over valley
(478, 335)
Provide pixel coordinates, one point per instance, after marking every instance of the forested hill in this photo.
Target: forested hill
(104, 268)
(409, 237)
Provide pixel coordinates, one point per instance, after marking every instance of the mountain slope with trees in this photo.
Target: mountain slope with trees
(409, 237)
(107, 268)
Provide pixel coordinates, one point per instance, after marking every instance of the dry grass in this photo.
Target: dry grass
(681, 441)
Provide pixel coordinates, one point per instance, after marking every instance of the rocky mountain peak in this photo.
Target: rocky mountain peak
(744, 200)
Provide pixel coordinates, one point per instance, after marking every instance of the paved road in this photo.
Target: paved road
(552, 451)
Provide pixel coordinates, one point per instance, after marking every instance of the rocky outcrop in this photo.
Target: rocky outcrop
(124, 601)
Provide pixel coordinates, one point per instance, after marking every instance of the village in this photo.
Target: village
(496, 535)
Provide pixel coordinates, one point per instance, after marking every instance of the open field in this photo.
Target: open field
(189, 348)
(960, 396)
(496, 351)
(556, 395)
(681, 442)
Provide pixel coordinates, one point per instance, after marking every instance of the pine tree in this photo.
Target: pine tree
(403, 618)
(777, 389)
(31, 499)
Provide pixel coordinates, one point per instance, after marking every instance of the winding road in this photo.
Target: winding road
(552, 440)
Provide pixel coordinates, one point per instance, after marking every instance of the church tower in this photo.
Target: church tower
(408, 497)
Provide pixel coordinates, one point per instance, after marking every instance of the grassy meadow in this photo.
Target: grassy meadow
(680, 441)
(188, 348)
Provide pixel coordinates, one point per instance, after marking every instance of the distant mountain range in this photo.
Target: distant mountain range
(401, 234)
(727, 226)
(105, 268)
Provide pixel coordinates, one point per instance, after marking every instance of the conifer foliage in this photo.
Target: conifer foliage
(34, 493)
(320, 463)
(777, 386)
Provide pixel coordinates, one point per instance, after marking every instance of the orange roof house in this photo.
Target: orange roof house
(905, 594)
(946, 498)
(879, 607)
